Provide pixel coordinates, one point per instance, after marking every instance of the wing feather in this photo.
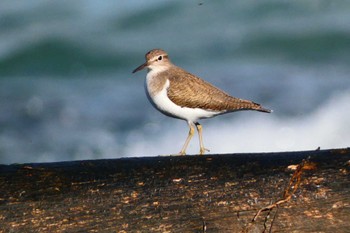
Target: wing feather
(187, 90)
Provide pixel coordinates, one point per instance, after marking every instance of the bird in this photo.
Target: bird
(182, 95)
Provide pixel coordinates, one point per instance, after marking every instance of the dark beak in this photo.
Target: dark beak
(140, 67)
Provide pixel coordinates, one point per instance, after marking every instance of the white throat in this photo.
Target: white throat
(155, 69)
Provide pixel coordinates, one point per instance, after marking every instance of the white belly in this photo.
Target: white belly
(161, 101)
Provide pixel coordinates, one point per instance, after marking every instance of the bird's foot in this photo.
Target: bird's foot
(182, 153)
(203, 150)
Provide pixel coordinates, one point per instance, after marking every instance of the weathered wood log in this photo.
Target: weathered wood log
(212, 193)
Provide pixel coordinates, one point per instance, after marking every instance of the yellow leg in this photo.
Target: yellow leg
(189, 137)
(202, 148)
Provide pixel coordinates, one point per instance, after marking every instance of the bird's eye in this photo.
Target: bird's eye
(160, 58)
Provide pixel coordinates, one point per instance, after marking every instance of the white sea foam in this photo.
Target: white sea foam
(326, 127)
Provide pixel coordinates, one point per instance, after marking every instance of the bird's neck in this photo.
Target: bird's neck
(156, 70)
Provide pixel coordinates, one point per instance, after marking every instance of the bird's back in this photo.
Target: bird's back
(187, 90)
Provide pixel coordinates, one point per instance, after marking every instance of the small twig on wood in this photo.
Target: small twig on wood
(266, 219)
(273, 220)
(292, 187)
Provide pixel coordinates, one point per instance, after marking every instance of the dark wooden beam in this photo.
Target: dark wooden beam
(212, 193)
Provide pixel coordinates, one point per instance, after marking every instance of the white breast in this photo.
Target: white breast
(161, 102)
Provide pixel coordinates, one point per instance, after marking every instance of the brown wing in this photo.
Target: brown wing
(187, 90)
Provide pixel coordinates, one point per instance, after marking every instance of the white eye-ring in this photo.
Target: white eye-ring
(160, 58)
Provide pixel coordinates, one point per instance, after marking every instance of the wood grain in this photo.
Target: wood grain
(212, 193)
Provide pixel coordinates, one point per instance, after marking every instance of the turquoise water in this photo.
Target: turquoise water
(67, 92)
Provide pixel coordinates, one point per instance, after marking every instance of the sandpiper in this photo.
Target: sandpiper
(180, 94)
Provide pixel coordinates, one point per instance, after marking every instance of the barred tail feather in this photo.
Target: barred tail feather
(262, 109)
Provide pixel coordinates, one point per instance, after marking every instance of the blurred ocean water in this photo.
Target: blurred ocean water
(67, 92)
